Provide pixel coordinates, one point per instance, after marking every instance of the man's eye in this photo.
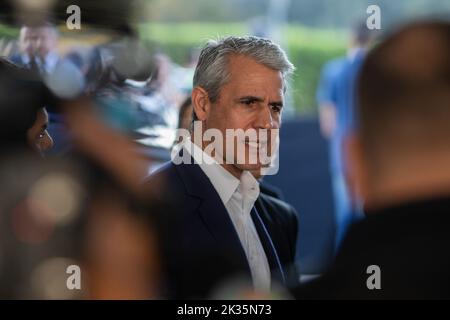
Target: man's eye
(276, 108)
(41, 135)
(248, 102)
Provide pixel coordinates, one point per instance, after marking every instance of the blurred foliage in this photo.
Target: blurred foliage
(315, 13)
(308, 49)
(344, 13)
(8, 32)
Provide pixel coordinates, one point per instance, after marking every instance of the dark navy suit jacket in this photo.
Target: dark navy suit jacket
(201, 248)
(17, 59)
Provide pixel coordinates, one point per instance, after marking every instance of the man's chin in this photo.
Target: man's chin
(255, 169)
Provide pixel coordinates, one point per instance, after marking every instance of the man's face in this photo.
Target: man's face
(37, 42)
(252, 99)
(37, 136)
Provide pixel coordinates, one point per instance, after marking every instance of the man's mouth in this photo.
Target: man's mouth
(254, 142)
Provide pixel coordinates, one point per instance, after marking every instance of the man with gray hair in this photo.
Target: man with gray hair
(221, 225)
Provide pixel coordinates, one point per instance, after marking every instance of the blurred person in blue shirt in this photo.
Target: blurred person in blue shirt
(335, 97)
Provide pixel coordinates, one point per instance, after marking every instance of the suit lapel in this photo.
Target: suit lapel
(213, 213)
(276, 268)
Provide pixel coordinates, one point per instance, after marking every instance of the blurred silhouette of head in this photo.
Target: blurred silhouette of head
(23, 116)
(400, 151)
(38, 137)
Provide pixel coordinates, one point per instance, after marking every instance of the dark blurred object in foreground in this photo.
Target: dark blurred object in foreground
(84, 211)
(22, 95)
(399, 158)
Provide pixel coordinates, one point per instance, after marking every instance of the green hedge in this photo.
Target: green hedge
(307, 48)
(7, 32)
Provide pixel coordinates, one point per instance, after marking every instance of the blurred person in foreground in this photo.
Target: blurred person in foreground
(398, 165)
(335, 97)
(38, 52)
(222, 226)
(81, 211)
(121, 234)
(23, 113)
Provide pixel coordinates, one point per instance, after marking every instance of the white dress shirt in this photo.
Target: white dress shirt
(238, 197)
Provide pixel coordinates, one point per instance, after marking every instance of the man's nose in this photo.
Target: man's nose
(48, 143)
(265, 119)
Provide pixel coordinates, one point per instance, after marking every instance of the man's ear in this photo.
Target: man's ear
(201, 103)
(356, 174)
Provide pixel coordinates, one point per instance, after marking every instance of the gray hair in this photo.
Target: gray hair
(212, 69)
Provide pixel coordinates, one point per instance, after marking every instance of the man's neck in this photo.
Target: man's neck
(411, 181)
(236, 172)
(233, 170)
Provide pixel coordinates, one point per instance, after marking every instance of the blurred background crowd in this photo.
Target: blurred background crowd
(87, 114)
